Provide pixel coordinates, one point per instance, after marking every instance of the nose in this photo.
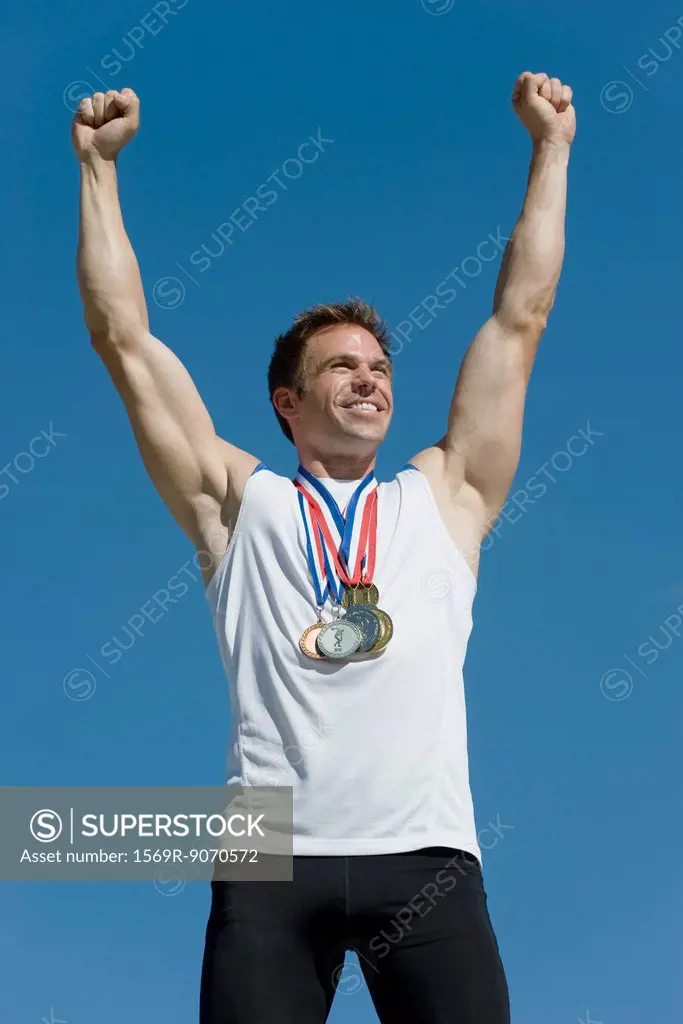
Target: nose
(363, 382)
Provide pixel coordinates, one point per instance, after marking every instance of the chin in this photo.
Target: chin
(375, 424)
(370, 434)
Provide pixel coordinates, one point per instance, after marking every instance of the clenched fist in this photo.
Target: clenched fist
(544, 106)
(104, 123)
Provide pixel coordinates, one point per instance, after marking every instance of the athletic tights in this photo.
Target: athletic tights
(418, 922)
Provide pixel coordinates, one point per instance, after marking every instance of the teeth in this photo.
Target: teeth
(364, 405)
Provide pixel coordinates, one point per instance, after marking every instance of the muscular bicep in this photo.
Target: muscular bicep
(484, 434)
(473, 465)
(187, 463)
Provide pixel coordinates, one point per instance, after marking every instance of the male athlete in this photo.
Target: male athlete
(342, 607)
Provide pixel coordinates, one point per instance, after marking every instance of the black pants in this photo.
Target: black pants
(418, 922)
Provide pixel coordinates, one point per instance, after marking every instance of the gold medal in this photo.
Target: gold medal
(308, 638)
(386, 631)
(360, 594)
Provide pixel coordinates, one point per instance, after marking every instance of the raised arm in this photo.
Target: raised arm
(472, 467)
(200, 477)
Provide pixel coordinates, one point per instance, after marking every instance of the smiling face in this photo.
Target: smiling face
(347, 403)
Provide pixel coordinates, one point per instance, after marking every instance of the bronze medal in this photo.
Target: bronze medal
(308, 638)
(360, 594)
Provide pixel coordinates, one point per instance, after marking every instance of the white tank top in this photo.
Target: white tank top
(374, 747)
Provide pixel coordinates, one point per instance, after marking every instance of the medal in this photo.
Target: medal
(339, 638)
(341, 551)
(368, 622)
(386, 631)
(307, 640)
(360, 595)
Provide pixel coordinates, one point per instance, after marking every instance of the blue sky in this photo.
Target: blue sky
(427, 160)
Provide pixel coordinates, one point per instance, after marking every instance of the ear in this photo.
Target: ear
(284, 400)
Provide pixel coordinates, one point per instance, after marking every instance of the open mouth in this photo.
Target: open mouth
(364, 407)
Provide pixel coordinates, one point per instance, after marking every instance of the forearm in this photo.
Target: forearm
(108, 273)
(532, 262)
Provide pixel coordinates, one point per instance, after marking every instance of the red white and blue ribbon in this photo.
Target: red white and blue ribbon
(341, 547)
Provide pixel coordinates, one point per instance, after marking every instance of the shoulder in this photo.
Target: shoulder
(239, 465)
(456, 501)
(251, 476)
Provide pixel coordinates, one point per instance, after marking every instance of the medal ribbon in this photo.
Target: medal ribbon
(341, 549)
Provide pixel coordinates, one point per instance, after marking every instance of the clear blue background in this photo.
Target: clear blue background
(428, 159)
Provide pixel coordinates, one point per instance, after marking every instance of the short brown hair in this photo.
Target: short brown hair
(287, 368)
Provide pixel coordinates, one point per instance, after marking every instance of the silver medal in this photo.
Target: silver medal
(339, 639)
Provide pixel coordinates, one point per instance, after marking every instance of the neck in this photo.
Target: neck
(338, 467)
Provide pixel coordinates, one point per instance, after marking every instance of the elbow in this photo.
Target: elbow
(115, 329)
(525, 311)
(525, 322)
(536, 324)
(108, 341)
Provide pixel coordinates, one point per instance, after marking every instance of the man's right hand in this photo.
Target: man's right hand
(104, 123)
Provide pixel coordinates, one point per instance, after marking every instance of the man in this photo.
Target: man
(342, 607)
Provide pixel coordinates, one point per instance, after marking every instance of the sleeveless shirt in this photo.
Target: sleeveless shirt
(374, 747)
